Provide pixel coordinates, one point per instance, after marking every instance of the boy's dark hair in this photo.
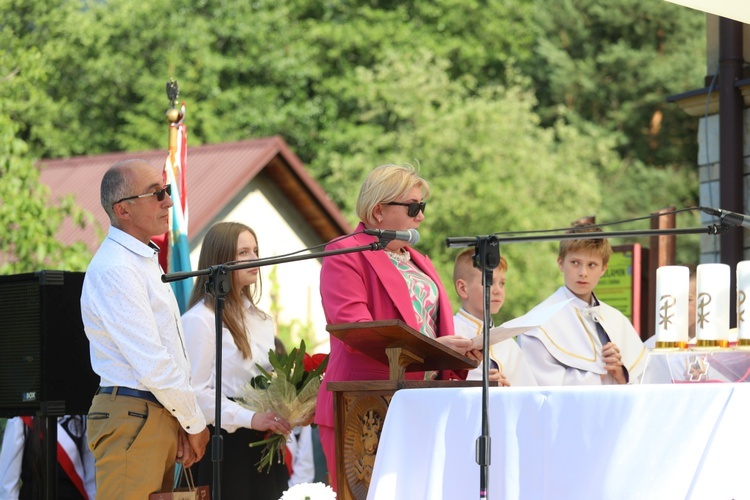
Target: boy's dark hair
(598, 246)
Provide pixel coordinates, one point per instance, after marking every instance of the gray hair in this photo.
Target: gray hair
(116, 185)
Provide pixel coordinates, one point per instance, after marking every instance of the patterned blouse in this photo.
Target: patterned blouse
(424, 295)
(424, 298)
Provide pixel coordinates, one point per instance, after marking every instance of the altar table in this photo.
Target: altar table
(685, 441)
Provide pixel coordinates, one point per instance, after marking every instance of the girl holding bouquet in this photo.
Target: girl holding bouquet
(247, 336)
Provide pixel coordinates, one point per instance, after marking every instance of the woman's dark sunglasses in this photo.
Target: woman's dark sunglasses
(159, 195)
(412, 208)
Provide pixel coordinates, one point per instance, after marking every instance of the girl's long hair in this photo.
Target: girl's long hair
(219, 247)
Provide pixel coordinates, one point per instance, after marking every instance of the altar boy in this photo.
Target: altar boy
(588, 342)
(508, 366)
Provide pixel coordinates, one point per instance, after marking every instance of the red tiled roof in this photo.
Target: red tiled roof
(216, 173)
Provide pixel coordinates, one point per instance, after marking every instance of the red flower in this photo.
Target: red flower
(312, 362)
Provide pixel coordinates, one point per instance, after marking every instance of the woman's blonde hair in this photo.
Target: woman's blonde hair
(219, 247)
(384, 184)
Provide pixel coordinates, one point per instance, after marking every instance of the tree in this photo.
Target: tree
(514, 109)
(29, 219)
(31, 33)
(613, 64)
(607, 68)
(491, 167)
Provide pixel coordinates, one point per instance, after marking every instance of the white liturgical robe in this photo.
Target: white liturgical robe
(567, 350)
(508, 356)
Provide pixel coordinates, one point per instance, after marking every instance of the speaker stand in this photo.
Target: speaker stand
(47, 418)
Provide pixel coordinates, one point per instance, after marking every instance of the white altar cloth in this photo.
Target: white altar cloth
(605, 442)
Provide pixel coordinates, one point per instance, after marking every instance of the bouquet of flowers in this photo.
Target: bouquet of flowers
(291, 391)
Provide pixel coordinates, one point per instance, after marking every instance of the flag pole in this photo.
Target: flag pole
(173, 113)
(178, 257)
(175, 247)
(174, 116)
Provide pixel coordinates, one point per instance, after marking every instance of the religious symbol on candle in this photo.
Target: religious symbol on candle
(703, 300)
(740, 309)
(666, 304)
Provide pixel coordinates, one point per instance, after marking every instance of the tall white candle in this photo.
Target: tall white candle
(743, 300)
(672, 291)
(712, 302)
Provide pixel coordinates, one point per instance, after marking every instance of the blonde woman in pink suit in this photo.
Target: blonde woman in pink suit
(398, 283)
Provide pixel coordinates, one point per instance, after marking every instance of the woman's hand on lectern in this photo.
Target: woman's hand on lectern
(462, 345)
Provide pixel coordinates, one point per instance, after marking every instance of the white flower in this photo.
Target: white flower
(309, 491)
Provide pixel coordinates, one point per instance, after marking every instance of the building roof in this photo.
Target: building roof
(216, 173)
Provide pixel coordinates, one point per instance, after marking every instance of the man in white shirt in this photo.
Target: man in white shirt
(145, 415)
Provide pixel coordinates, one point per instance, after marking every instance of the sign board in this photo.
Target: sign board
(621, 285)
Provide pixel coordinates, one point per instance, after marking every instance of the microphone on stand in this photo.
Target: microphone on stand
(410, 236)
(727, 217)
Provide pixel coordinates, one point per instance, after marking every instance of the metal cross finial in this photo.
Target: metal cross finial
(173, 91)
(174, 115)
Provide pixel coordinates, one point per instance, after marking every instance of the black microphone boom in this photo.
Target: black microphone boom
(410, 236)
(727, 217)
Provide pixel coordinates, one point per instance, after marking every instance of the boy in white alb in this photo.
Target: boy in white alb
(508, 364)
(588, 342)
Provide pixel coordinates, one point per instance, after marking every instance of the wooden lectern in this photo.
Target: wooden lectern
(360, 406)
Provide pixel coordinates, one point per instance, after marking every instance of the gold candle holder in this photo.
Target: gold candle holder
(711, 344)
(673, 346)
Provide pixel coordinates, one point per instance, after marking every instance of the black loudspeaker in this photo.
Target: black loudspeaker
(45, 366)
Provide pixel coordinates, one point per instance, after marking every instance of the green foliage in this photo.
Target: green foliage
(291, 365)
(294, 331)
(523, 115)
(29, 34)
(614, 63)
(633, 182)
(492, 168)
(29, 220)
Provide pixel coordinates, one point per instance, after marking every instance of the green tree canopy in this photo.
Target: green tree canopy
(522, 115)
(614, 63)
(29, 218)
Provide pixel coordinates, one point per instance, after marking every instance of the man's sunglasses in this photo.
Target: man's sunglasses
(412, 208)
(166, 190)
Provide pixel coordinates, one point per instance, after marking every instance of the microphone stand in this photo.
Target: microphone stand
(219, 284)
(487, 258)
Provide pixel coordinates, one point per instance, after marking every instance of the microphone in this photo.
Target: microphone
(727, 217)
(410, 236)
